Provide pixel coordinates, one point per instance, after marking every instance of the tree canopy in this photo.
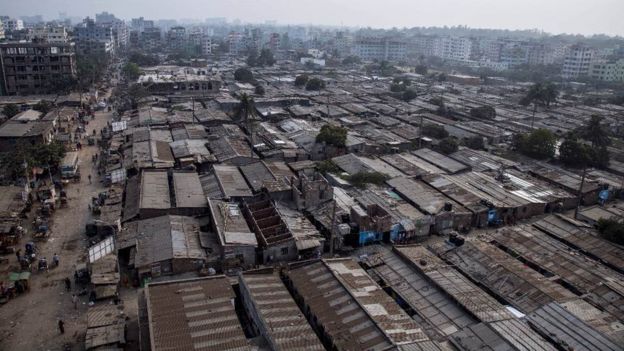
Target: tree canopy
(315, 84)
(259, 90)
(448, 145)
(332, 135)
(595, 132)
(143, 59)
(243, 75)
(27, 156)
(132, 71)
(539, 144)
(483, 112)
(572, 153)
(435, 131)
(265, 58)
(361, 179)
(611, 229)
(301, 80)
(409, 95)
(421, 69)
(475, 143)
(541, 94)
(350, 60)
(10, 110)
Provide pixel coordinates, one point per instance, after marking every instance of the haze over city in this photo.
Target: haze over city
(553, 16)
(296, 175)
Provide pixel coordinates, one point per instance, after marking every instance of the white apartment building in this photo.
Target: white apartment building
(380, 49)
(577, 62)
(1, 30)
(13, 24)
(51, 34)
(453, 48)
(609, 71)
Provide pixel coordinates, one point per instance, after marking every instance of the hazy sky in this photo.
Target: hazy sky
(554, 16)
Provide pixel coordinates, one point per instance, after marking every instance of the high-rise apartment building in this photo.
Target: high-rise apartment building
(608, 71)
(380, 49)
(577, 62)
(50, 34)
(92, 39)
(36, 67)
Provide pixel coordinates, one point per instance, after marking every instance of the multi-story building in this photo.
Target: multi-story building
(35, 67)
(1, 30)
(422, 45)
(121, 34)
(236, 43)
(13, 24)
(50, 34)
(274, 43)
(453, 48)
(343, 43)
(380, 49)
(151, 38)
(92, 39)
(176, 38)
(577, 61)
(609, 71)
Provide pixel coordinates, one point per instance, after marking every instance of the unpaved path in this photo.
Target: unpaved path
(29, 322)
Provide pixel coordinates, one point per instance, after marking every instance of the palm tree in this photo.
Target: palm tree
(595, 132)
(246, 111)
(540, 93)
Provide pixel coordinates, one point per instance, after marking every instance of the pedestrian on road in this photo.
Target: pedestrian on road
(56, 260)
(75, 301)
(61, 326)
(67, 284)
(18, 254)
(89, 179)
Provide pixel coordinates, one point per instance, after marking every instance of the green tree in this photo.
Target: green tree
(43, 106)
(259, 90)
(266, 58)
(611, 229)
(301, 80)
(252, 58)
(327, 166)
(540, 94)
(243, 75)
(421, 69)
(132, 71)
(143, 59)
(595, 132)
(599, 156)
(136, 93)
(361, 179)
(435, 131)
(10, 110)
(572, 153)
(397, 88)
(351, 60)
(539, 144)
(483, 112)
(409, 95)
(475, 143)
(448, 145)
(315, 84)
(332, 135)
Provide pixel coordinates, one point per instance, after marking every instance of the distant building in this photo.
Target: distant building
(1, 30)
(453, 48)
(34, 68)
(609, 71)
(92, 39)
(380, 49)
(577, 62)
(176, 38)
(50, 34)
(13, 24)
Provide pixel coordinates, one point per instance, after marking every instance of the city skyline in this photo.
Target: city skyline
(554, 17)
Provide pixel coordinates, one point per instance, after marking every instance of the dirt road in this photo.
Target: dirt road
(30, 322)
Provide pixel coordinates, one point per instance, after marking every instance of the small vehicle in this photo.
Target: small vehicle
(42, 264)
(91, 141)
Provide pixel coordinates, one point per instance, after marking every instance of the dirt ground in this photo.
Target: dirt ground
(30, 321)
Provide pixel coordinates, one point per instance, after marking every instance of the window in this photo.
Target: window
(54, 50)
(22, 51)
(284, 251)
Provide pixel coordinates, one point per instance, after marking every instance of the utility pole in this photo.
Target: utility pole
(420, 131)
(331, 231)
(580, 193)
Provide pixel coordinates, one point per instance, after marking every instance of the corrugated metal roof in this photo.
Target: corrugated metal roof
(564, 329)
(344, 320)
(277, 313)
(478, 302)
(195, 314)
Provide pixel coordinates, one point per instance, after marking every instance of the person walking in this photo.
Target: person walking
(89, 179)
(56, 260)
(61, 326)
(67, 284)
(75, 301)
(18, 254)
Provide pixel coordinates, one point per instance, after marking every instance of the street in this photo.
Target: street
(30, 321)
